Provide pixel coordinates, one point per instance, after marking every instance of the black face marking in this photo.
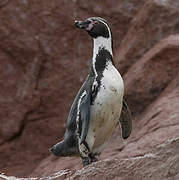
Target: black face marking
(96, 27)
(99, 29)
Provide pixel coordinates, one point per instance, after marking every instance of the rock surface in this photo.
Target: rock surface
(156, 20)
(162, 160)
(163, 163)
(153, 72)
(41, 55)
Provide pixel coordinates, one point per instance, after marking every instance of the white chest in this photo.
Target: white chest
(105, 112)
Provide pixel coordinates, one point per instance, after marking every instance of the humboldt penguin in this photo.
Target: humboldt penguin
(99, 105)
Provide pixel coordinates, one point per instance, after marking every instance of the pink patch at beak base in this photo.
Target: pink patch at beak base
(90, 26)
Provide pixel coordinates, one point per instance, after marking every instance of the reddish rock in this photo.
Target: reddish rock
(151, 74)
(41, 55)
(159, 163)
(156, 20)
(157, 123)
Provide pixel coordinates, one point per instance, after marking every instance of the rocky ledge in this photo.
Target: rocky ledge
(160, 163)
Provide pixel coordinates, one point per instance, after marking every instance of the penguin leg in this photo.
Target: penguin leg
(84, 153)
(85, 161)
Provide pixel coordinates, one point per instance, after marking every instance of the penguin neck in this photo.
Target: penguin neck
(102, 54)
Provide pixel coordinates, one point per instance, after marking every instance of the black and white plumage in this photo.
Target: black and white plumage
(99, 105)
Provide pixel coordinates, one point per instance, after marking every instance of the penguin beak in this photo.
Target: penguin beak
(82, 24)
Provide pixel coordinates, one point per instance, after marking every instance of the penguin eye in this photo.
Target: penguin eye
(88, 21)
(91, 24)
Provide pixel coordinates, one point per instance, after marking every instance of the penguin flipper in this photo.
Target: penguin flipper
(125, 120)
(84, 115)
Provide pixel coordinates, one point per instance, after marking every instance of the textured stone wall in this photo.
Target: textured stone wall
(44, 59)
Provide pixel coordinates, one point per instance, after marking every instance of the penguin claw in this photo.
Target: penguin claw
(85, 161)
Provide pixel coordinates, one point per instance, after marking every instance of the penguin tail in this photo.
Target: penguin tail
(58, 149)
(61, 149)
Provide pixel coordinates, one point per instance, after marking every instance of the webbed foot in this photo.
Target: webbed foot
(85, 161)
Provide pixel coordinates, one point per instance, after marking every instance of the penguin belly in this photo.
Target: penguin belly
(106, 110)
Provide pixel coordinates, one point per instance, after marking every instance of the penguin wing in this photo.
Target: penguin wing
(125, 120)
(84, 114)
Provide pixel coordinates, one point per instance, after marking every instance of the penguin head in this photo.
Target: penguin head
(95, 26)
